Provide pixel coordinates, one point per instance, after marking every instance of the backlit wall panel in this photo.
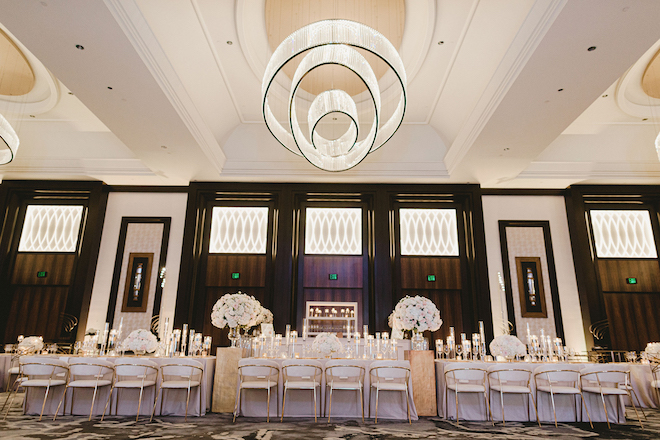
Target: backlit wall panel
(623, 234)
(239, 230)
(50, 228)
(428, 232)
(333, 231)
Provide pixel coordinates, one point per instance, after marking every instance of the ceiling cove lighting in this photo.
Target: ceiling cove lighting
(334, 42)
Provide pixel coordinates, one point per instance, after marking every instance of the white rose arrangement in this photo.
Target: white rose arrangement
(140, 340)
(415, 313)
(236, 310)
(653, 350)
(326, 344)
(507, 346)
(32, 344)
(265, 316)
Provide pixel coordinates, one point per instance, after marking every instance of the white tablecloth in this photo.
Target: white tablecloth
(5, 364)
(299, 403)
(473, 407)
(174, 402)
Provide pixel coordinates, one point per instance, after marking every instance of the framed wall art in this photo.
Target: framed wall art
(530, 287)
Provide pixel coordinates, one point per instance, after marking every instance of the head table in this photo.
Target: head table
(299, 403)
(517, 407)
(174, 402)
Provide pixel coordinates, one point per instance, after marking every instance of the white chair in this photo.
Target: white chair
(133, 373)
(184, 374)
(41, 372)
(301, 375)
(87, 373)
(389, 376)
(342, 375)
(462, 379)
(507, 380)
(553, 380)
(257, 374)
(655, 380)
(608, 380)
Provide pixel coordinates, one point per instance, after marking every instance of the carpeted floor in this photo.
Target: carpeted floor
(220, 427)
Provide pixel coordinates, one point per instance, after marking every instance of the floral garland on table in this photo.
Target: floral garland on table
(507, 346)
(236, 310)
(415, 313)
(32, 343)
(326, 344)
(653, 350)
(140, 340)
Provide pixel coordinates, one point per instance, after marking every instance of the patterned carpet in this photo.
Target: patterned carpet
(220, 427)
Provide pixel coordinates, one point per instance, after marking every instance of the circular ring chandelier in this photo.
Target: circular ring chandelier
(9, 137)
(332, 42)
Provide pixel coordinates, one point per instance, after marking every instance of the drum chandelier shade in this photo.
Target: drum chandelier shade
(10, 140)
(333, 42)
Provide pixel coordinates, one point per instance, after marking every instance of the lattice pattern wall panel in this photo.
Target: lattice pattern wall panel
(50, 228)
(428, 232)
(239, 230)
(623, 234)
(333, 231)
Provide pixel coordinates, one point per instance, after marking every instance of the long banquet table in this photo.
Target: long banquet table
(299, 403)
(473, 407)
(174, 403)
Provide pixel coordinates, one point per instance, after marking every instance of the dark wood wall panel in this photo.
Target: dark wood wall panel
(317, 269)
(35, 311)
(633, 319)
(613, 275)
(414, 271)
(59, 268)
(451, 311)
(252, 270)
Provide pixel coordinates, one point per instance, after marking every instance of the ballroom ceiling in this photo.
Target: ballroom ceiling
(505, 94)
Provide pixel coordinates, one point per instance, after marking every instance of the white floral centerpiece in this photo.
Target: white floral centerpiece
(653, 350)
(507, 346)
(265, 316)
(140, 340)
(326, 344)
(415, 313)
(32, 344)
(236, 311)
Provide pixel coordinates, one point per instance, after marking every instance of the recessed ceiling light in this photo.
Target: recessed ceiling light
(334, 119)
(560, 90)
(229, 42)
(645, 119)
(163, 147)
(70, 93)
(80, 47)
(592, 48)
(440, 43)
(506, 149)
(109, 88)
(604, 96)
(32, 116)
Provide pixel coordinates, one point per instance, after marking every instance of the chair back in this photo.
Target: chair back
(504, 374)
(258, 370)
(460, 373)
(606, 374)
(91, 369)
(556, 375)
(135, 369)
(182, 369)
(389, 371)
(40, 367)
(302, 370)
(343, 370)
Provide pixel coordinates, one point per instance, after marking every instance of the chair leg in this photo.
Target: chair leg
(137, 417)
(185, 419)
(554, 411)
(160, 391)
(376, 420)
(236, 405)
(91, 410)
(408, 405)
(607, 417)
(268, 407)
(361, 403)
(105, 408)
(330, 404)
(12, 401)
(535, 410)
(456, 398)
(487, 399)
(59, 404)
(283, 405)
(586, 409)
(314, 394)
(502, 403)
(635, 408)
(43, 405)
(10, 391)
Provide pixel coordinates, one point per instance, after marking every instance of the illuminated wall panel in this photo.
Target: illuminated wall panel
(623, 234)
(333, 231)
(428, 232)
(50, 228)
(239, 230)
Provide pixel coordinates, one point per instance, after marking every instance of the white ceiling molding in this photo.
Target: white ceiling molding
(590, 170)
(629, 95)
(536, 25)
(86, 167)
(131, 20)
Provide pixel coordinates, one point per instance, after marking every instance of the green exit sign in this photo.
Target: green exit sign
(631, 280)
(430, 277)
(42, 274)
(332, 276)
(235, 275)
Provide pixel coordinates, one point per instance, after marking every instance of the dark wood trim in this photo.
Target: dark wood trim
(147, 188)
(552, 271)
(522, 192)
(121, 245)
